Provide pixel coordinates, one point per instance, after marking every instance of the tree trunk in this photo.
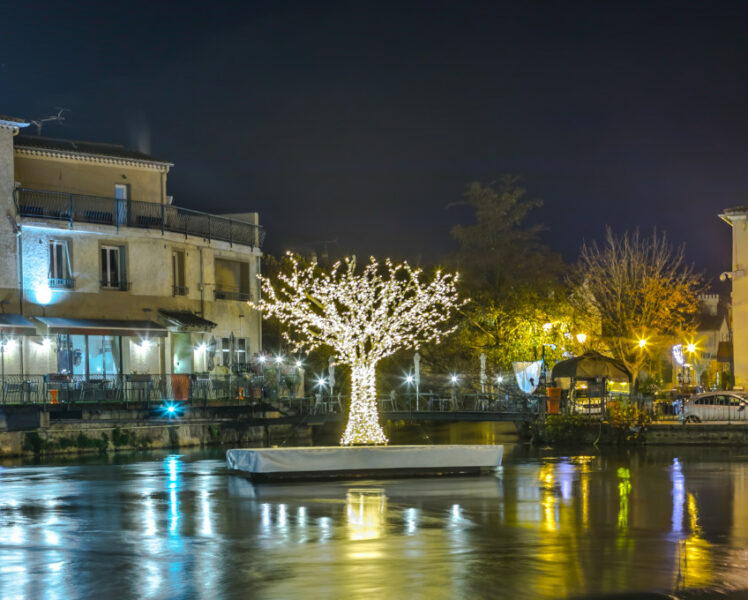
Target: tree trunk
(363, 420)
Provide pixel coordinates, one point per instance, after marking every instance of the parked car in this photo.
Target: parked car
(715, 406)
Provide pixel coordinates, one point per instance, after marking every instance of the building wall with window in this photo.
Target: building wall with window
(82, 175)
(101, 270)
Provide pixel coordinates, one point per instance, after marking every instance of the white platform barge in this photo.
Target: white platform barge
(352, 462)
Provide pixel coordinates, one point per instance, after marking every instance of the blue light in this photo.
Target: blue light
(172, 409)
(43, 294)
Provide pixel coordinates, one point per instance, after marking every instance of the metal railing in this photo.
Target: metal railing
(223, 293)
(78, 208)
(61, 283)
(152, 389)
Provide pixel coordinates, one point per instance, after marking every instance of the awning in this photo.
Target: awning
(16, 325)
(102, 327)
(591, 365)
(724, 352)
(185, 321)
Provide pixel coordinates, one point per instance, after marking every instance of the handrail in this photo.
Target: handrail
(79, 208)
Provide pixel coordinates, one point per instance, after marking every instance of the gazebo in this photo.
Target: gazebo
(589, 381)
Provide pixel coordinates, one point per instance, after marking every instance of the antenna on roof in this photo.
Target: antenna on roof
(58, 118)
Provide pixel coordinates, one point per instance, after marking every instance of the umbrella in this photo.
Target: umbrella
(483, 372)
(331, 372)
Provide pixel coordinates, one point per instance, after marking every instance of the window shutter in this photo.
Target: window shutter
(123, 267)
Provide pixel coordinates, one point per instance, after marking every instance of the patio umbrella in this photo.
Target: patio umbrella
(483, 372)
(527, 374)
(331, 372)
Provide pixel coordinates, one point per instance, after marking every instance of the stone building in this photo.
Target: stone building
(101, 275)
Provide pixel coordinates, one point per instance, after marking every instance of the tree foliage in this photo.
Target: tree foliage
(637, 288)
(515, 284)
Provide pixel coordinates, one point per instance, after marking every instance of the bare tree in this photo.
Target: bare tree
(640, 290)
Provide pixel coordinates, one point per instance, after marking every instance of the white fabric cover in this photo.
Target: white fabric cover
(359, 458)
(528, 375)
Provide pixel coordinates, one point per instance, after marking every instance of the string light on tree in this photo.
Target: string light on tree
(364, 316)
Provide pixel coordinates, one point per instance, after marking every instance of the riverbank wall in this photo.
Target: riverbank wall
(653, 434)
(28, 431)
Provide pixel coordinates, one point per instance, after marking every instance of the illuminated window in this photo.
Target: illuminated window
(59, 265)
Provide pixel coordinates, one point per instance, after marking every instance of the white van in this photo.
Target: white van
(715, 406)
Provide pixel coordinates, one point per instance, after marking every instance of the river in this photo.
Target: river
(551, 524)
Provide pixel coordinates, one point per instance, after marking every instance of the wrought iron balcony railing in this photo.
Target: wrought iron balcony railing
(77, 208)
(64, 283)
(231, 294)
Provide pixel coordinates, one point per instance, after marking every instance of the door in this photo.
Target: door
(121, 195)
(182, 353)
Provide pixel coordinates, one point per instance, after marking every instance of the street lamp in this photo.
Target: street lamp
(581, 338)
(642, 343)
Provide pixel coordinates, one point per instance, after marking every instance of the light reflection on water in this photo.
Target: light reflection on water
(180, 526)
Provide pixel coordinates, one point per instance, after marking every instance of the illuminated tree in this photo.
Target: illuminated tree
(364, 317)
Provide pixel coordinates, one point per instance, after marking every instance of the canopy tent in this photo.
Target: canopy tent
(591, 365)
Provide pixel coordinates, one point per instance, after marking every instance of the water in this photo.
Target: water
(551, 525)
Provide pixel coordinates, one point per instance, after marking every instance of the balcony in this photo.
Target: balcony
(76, 208)
(61, 284)
(226, 293)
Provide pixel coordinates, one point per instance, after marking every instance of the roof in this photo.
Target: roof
(16, 325)
(12, 122)
(711, 322)
(32, 142)
(103, 327)
(13, 119)
(185, 320)
(591, 365)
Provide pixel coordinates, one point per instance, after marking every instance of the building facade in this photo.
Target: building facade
(737, 219)
(101, 275)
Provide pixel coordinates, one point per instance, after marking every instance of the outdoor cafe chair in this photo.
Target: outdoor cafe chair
(335, 402)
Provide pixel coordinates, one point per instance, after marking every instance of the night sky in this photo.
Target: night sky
(361, 121)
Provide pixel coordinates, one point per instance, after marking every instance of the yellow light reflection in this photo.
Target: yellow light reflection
(548, 500)
(624, 491)
(365, 509)
(695, 557)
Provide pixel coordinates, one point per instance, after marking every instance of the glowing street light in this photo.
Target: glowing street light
(691, 348)
(262, 358)
(581, 338)
(499, 379)
(278, 359)
(409, 379)
(453, 379)
(298, 364)
(642, 343)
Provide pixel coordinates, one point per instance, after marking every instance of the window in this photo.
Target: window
(232, 280)
(177, 270)
(240, 351)
(113, 274)
(59, 265)
(226, 352)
